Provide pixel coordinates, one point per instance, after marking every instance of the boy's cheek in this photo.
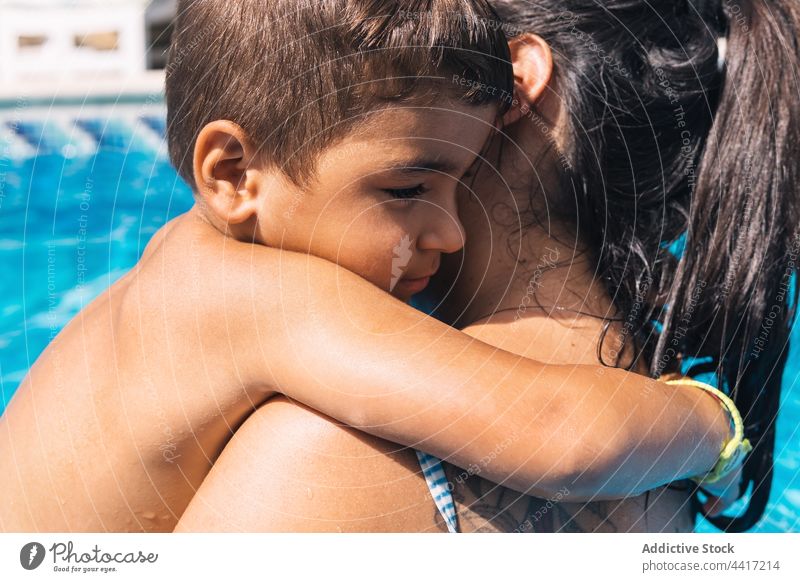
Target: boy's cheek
(380, 256)
(273, 219)
(370, 240)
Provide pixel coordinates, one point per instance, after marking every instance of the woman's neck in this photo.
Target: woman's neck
(534, 273)
(528, 284)
(520, 255)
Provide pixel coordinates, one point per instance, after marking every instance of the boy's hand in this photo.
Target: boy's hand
(722, 494)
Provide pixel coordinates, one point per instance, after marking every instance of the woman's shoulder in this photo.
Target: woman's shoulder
(290, 468)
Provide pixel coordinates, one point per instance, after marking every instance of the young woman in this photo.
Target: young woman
(637, 126)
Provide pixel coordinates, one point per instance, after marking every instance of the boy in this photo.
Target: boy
(333, 129)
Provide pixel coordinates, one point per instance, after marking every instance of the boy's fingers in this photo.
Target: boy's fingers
(713, 507)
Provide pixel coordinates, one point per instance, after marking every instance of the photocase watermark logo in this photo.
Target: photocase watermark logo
(68, 558)
(32, 555)
(401, 257)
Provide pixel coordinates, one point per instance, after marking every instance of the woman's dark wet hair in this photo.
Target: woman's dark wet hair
(685, 183)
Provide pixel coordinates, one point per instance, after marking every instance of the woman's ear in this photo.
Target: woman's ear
(223, 157)
(533, 68)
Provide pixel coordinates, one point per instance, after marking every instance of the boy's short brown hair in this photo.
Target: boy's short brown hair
(297, 75)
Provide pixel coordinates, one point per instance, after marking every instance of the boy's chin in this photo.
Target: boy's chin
(405, 289)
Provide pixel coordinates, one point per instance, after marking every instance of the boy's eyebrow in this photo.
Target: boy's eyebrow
(423, 164)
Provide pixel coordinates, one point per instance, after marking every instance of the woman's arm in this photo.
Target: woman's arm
(335, 342)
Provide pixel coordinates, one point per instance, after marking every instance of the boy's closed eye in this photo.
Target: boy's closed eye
(441, 171)
(407, 193)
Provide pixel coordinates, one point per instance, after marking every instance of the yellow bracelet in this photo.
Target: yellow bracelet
(733, 451)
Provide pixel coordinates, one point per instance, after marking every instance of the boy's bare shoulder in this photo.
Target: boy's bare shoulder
(186, 307)
(175, 272)
(188, 257)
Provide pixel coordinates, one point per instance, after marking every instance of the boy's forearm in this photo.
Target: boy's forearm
(354, 353)
(644, 433)
(538, 428)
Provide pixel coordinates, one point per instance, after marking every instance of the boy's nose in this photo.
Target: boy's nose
(444, 233)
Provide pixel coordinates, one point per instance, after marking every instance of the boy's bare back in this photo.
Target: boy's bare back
(121, 381)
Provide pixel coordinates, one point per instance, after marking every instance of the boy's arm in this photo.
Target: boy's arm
(335, 342)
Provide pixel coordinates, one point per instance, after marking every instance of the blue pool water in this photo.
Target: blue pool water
(82, 193)
(75, 217)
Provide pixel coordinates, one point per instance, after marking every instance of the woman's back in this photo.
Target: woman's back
(484, 506)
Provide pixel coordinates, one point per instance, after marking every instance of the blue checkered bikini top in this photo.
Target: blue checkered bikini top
(440, 488)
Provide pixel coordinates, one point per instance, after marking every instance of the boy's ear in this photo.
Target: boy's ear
(223, 172)
(533, 67)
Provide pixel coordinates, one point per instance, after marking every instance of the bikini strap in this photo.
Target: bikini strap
(440, 488)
